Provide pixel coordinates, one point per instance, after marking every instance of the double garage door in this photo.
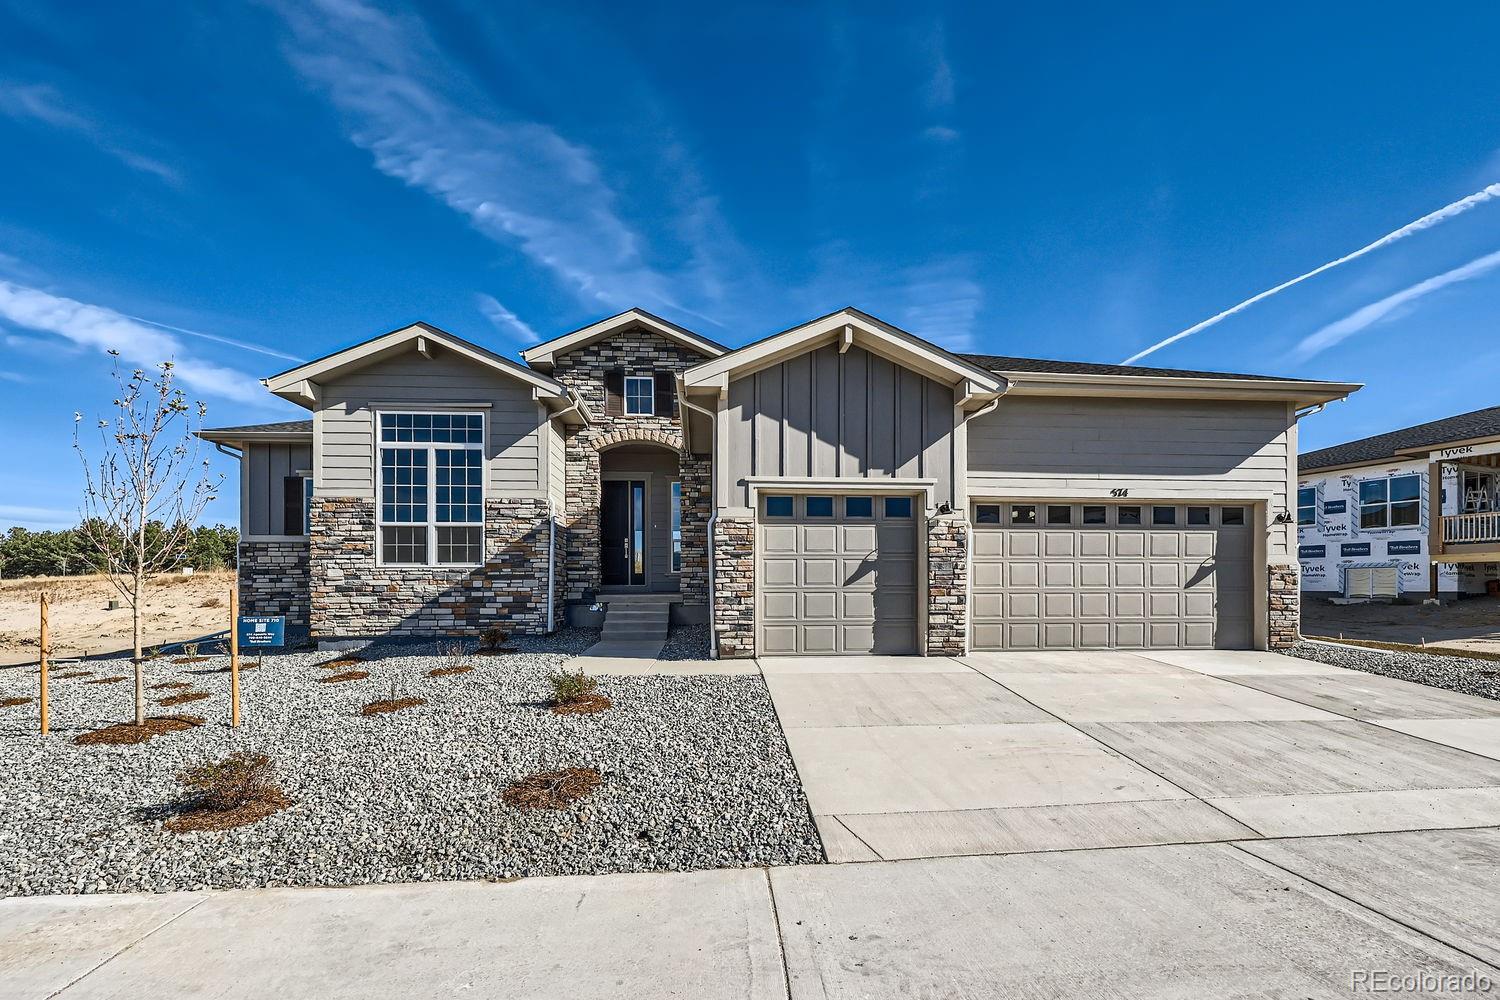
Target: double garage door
(1093, 576)
(837, 574)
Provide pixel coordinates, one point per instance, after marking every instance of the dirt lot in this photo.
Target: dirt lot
(1468, 624)
(177, 608)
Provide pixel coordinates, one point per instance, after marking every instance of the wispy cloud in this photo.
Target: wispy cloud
(43, 104)
(520, 183)
(140, 345)
(13, 377)
(1425, 222)
(37, 518)
(504, 320)
(1361, 319)
(942, 303)
(940, 89)
(241, 344)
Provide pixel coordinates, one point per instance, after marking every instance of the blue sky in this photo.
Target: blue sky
(240, 187)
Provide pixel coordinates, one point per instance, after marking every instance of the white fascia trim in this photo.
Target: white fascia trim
(847, 328)
(291, 383)
(1161, 386)
(547, 350)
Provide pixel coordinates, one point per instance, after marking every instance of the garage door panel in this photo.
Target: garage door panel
(831, 586)
(1126, 585)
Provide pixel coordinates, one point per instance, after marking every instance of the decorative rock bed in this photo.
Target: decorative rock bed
(695, 774)
(1454, 673)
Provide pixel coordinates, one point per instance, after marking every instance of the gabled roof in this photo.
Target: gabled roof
(544, 354)
(849, 326)
(300, 384)
(284, 430)
(1463, 428)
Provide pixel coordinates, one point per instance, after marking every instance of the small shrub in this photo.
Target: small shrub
(568, 686)
(493, 637)
(190, 649)
(212, 602)
(552, 789)
(227, 793)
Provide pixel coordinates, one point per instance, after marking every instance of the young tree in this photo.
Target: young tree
(145, 490)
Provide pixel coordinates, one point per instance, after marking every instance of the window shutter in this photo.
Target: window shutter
(614, 393)
(291, 506)
(666, 394)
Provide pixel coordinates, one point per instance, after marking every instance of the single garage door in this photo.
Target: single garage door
(1099, 576)
(837, 574)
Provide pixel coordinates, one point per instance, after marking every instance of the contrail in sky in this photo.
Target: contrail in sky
(1425, 222)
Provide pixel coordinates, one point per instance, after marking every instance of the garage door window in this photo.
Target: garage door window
(1163, 515)
(859, 506)
(820, 506)
(1128, 515)
(898, 506)
(1094, 513)
(987, 513)
(1059, 514)
(1198, 515)
(778, 506)
(1232, 515)
(1023, 513)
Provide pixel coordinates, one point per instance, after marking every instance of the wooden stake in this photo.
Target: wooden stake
(234, 656)
(45, 651)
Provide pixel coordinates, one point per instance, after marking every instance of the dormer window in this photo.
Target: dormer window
(640, 395)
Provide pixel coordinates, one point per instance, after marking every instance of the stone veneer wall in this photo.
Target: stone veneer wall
(947, 584)
(1283, 606)
(583, 371)
(734, 585)
(273, 580)
(352, 596)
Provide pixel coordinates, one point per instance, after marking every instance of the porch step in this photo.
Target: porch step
(630, 618)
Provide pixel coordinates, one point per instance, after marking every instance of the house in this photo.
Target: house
(1413, 512)
(839, 487)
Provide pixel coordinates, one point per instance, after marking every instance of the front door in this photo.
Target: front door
(622, 533)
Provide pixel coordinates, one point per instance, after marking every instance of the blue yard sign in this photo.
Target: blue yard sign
(262, 630)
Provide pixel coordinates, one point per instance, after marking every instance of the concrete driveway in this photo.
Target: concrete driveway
(999, 753)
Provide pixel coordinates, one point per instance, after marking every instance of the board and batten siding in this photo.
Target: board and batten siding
(344, 429)
(824, 414)
(263, 472)
(1060, 448)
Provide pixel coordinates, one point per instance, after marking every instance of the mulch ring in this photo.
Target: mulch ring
(129, 732)
(13, 702)
(391, 705)
(190, 820)
(191, 659)
(71, 673)
(341, 663)
(182, 699)
(552, 789)
(170, 684)
(584, 704)
(448, 671)
(347, 675)
(105, 680)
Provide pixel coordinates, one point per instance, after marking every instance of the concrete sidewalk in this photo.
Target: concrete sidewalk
(1206, 920)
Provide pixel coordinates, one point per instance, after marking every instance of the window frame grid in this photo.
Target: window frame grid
(650, 380)
(430, 449)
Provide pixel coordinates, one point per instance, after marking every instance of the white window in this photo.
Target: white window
(431, 489)
(676, 527)
(640, 395)
(1307, 505)
(1390, 503)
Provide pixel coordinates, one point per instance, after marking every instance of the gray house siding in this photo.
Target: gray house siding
(824, 414)
(343, 425)
(263, 473)
(1046, 447)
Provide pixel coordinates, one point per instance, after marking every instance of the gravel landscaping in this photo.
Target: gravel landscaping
(686, 642)
(1455, 673)
(695, 774)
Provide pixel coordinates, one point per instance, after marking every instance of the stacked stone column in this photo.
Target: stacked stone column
(947, 584)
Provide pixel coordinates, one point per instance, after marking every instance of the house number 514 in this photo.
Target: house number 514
(1117, 492)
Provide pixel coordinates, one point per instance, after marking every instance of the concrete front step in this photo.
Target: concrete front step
(634, 631)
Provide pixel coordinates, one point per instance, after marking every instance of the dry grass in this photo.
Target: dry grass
(348, 675)
(212, 602)
(232, 792)
(448, 671)
(13, 702)
(105, 680)
(36, 584)
(391, 705)
(552, 789)
(182, 699)
(128, 732)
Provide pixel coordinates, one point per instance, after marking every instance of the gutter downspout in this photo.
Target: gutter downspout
(713, 517)
(1309, 411)
(227, 450)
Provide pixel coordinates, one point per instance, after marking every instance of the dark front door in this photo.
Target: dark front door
(622, 533)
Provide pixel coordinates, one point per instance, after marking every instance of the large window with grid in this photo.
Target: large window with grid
(1390, 503)
(431, 489)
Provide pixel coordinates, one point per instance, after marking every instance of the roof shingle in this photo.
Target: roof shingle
(281, 427)
(1463, 427)
(1001, 363)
